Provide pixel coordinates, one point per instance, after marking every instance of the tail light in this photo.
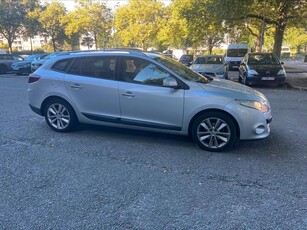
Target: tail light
(33, 78)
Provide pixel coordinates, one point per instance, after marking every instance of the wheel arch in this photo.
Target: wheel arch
(213, 110)
(50, 98)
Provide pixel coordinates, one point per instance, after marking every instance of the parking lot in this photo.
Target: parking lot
(107, 178)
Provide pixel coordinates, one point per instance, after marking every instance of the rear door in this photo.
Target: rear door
(91, 84)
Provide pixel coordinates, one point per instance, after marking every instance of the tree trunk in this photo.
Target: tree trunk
(31, 45)
(53, 44)
(95, 38)
(279, 35)
(10, 43)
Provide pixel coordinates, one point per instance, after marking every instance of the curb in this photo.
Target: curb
(291, 86)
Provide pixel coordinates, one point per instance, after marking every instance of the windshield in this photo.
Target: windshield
(181, 70)
(30, 58)
(209, 60)
(236, 52)
(34, 57)
(263, 59)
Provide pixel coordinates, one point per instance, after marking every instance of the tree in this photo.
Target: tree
(50, 19)
(31, 24)
(137, 22)
(91, 19)
(173, 28)
(202, 30)
(296, 38)
(279, 13)
(12, 17)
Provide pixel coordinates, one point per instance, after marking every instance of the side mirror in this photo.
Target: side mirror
(170, 82)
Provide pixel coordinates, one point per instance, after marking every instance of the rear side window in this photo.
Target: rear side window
(98, 67)
(61, 65)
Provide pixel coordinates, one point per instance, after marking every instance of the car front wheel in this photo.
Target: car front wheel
(60, 116)
(214, 131)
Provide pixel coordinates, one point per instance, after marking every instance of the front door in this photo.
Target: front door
(144, 101)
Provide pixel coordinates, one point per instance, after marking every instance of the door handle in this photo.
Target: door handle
(128, 94)
(76, 86)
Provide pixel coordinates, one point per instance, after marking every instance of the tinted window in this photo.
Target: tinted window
(236, 52)
(143, 72)
(181, 70)
(61, 65)
(99, 67)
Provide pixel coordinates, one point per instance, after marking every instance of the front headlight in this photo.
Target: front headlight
(259, 105)
(252, 72)
(281, 72)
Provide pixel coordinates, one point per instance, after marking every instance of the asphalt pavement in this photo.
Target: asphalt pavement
(107, 178)
(296, 74)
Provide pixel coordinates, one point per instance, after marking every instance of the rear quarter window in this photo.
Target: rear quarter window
(61, 65)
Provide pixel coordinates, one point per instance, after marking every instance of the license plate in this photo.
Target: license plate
(235, 66)
(268, 78)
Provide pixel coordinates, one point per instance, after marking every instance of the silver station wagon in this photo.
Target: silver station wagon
(147, 91)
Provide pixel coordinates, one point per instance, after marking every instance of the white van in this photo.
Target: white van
(235, 54)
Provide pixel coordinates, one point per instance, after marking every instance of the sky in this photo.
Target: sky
(69, 4)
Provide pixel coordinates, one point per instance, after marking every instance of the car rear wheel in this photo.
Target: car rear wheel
(60, 116)
(214, 131)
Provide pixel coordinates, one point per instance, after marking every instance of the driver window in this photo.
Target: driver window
(142, 72)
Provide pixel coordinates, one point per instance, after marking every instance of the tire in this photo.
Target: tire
(3, 69)
(240, 79)
(60, 116)
(214, 131)
(244, 81)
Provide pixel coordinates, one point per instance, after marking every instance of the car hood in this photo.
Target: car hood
(207, 67)
(232, 89)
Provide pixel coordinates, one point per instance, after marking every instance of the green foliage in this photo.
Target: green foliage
(12, 16)
(137, 23)
(296, 38)
(173, 28)
(50, 19)
(278, 13)
(90, 19)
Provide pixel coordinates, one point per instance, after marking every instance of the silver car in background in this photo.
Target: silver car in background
(147, 91)
(211, 65)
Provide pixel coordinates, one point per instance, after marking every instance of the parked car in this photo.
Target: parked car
(38, 63)
(25, 65)
(261, 68)
(6, 61)
(186, 59)
(147, 91)
(211, 65)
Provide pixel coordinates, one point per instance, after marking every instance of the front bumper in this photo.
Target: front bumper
(252, 123)
(21, 69)
(266, 79)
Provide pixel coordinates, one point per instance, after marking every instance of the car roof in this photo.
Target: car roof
(106, 52)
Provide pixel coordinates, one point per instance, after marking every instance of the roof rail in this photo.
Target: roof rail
(130, 50)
